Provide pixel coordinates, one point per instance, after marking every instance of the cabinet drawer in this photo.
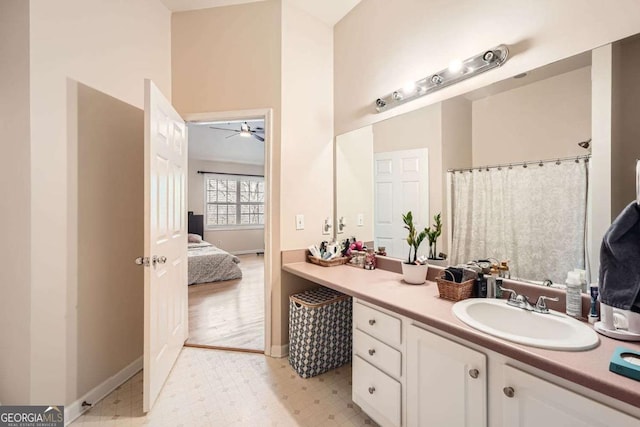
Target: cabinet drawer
(386, 328)
(378, 394)
(388, 359)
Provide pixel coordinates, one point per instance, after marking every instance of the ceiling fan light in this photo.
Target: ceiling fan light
(245, 133)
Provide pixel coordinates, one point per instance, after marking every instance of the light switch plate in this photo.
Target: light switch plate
(299, 222)
(360, 220)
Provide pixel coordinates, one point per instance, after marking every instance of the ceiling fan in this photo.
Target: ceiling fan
(245, 131)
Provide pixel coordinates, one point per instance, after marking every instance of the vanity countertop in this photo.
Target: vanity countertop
(421, 303)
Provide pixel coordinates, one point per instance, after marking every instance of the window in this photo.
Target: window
(234, 201)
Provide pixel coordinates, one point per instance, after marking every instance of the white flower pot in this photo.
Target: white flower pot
(414, 274)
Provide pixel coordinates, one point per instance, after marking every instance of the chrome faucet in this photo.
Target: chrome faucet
(521, 301)
(541, 306)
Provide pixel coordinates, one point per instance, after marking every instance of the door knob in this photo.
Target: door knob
(372, 352)
(474, 373)
(509, 391)
(372, 390)
(372, 322)
(143, 261)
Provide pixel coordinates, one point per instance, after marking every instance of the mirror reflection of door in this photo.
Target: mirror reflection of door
(401, 180)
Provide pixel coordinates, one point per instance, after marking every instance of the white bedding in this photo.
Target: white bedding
(208, 263)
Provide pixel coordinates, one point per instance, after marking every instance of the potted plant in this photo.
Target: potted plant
(414, 271)
(432, 235)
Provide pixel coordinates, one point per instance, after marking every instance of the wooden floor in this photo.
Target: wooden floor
(230, 313)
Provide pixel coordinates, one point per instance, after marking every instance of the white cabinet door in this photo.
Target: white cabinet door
(528, 401)
(446, 382)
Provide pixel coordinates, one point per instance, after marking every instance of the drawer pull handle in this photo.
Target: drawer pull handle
(509, 391)
(474, 373)
(372, 390)
(372, 352)
(372, 322)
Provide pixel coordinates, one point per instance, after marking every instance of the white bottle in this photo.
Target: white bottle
(574, 294)
(583, 279)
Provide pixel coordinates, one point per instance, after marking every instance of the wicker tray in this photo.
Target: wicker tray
(454, 291)
(330, 263)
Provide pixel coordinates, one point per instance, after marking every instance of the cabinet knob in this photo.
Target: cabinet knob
(371, 390)
(372, 352)
(474, 373)
(372, 322)
(509, 391)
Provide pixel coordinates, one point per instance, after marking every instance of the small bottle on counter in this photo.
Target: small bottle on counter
(574, 294)
(481, 286)
(491, 281)
(504, 270)
(370, 260)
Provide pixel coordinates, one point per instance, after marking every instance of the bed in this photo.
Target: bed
(207, 262)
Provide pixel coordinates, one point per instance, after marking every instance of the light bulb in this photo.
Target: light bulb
(409, 87)
(455, 65)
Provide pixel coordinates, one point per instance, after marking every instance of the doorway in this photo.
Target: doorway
(228, 201)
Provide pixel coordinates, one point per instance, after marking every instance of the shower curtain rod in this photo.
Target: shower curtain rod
(586, 157)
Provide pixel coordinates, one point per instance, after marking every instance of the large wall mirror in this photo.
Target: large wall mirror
(511, 167)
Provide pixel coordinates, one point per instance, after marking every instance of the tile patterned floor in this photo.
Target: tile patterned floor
(218, 388)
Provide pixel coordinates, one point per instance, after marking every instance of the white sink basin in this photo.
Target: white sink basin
(553, 330)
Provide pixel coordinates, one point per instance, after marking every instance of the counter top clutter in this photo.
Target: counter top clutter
(385, 289)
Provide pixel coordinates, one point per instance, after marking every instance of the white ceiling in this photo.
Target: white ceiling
(328, 11)
(224, 146)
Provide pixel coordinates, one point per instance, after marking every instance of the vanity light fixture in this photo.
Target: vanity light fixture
(457, 71)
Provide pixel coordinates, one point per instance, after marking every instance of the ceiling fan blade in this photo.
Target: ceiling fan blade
(258, 137)
(233, 134)
(258, 129)
(229, 130)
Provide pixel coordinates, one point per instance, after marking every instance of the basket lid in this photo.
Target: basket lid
(318, 297)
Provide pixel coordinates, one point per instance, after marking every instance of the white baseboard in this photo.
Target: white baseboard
(73, 411)
(280, 350)
(250, 251)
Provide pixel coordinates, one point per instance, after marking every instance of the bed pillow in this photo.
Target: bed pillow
(195, 238)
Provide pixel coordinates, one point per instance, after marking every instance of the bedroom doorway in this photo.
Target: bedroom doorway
(228, 201)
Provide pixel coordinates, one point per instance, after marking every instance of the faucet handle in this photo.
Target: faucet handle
(513, 294)
(541, 306)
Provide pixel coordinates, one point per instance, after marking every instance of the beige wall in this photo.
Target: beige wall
(381, 57)
(542, 120)
(456, 151)
(354, 183)
(307, 141)
(15, 206)
(111, 47)
(234, 241)
(307, 126)
(626, 143)
(227, 58)
(110, 135)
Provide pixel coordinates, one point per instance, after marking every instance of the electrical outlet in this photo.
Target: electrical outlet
(299, 222)
(360, 220)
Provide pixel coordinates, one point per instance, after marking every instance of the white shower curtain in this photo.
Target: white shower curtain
(533, 216)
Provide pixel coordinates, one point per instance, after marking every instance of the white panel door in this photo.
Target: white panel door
(448, 382)
(528, 401)
(165, 232)
(401, 182)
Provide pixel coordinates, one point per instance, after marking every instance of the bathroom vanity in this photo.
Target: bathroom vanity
(416, 364)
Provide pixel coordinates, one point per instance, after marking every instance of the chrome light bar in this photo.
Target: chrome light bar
(456, 72)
